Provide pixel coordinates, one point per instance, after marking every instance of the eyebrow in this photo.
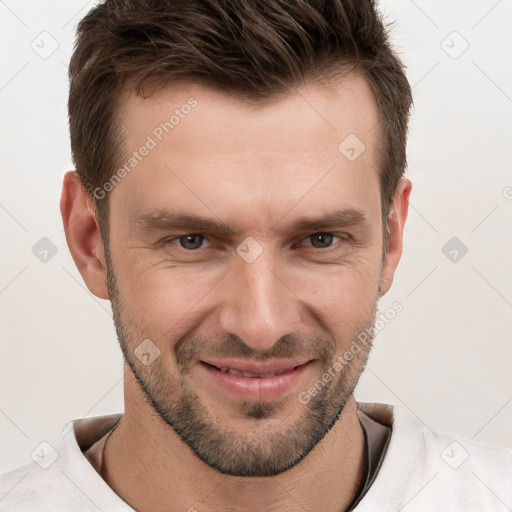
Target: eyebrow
(163, 220)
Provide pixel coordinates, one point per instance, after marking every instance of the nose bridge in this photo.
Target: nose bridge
(259, 307)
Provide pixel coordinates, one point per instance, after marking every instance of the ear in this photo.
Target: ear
(397, 217)
(83, 234)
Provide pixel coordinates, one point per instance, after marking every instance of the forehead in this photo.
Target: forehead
(211, 150)
(346, 106)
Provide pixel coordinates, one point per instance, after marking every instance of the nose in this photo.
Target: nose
(260, 305)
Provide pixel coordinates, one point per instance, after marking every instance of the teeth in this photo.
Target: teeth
(245, 374)
(225, 369)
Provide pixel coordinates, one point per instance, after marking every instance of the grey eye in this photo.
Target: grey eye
(191, 242)
(321, 240)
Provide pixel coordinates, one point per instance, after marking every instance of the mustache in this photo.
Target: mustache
(194, 346)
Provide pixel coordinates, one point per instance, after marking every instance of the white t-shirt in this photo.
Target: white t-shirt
(419, 472)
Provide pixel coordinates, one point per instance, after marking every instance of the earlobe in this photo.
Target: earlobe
(397, 217)
(83, 234)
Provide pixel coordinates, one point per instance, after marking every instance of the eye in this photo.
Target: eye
(189, 242)
(325, 240)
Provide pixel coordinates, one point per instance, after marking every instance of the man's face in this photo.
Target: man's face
(267, 296)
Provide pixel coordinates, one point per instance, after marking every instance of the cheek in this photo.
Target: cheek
(342, 300)
(340, 288)
(166, 300)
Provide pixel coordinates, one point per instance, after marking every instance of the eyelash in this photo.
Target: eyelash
(342, 236)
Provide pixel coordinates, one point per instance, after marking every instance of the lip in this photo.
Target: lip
(256, 388)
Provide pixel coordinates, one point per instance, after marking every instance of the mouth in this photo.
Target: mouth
(255, 381)
(233, 371)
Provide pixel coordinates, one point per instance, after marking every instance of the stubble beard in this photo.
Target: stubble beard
(265, 446)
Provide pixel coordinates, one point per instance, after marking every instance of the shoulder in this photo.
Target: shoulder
(24, 488)
(61, 477)
(423, 470)
(468, 473)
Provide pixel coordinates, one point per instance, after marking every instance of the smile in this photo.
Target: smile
(233, 371)
(255, 381)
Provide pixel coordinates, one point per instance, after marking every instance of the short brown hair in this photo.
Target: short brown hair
(254, 49)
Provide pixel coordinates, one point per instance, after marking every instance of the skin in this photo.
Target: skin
(257, 168)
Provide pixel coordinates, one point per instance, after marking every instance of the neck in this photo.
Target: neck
(152, 469)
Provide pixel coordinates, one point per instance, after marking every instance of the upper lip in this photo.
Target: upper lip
(261, 368)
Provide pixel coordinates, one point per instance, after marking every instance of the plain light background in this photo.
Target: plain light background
(446, 356)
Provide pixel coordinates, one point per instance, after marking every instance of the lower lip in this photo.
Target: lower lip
(256, 389)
